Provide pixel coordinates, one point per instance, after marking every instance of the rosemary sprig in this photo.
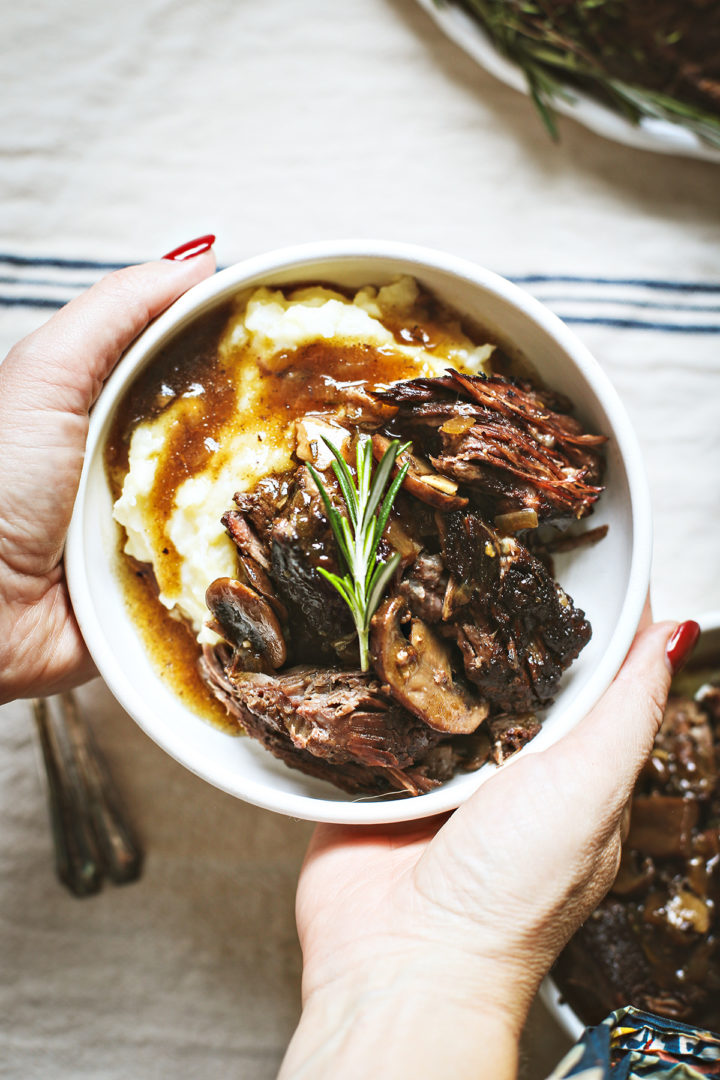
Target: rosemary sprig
(551, 45)
(358, 535)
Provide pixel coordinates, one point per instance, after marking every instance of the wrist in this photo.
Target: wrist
(414, 1016)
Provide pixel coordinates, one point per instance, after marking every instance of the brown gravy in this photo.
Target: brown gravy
(187, 362)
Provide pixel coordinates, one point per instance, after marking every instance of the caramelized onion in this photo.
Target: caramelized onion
(420, 480)
(516, 520)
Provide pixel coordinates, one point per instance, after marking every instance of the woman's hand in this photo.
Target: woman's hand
(424, 943)
(48, 382)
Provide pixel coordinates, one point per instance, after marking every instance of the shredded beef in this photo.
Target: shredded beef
(473, 634)
(424, 587)
(518, 631)
(336, 725)
(654, 940)
(510, 733)
(283, 525)
(501, 438)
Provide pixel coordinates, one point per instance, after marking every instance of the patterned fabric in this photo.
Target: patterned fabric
(46, 282)
(632, 1044)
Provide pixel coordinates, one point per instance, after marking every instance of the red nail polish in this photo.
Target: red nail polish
(191, 249)
(681, 644)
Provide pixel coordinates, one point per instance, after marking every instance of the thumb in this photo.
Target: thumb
(606, 752)
(48, 383)
(62, 365)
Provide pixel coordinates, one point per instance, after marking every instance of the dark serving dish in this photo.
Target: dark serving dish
(654, 942)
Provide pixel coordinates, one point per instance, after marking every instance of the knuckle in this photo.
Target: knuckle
(24, 356)
(16, 352)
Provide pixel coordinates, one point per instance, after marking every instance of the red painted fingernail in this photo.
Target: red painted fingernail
(681, 644)
(191, 249)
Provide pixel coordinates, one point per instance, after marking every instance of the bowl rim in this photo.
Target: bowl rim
(221, 286)
(549, 992)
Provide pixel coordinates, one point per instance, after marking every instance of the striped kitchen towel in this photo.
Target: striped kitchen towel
(44, 283)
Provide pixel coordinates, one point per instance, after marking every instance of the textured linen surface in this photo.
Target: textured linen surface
(129, 128)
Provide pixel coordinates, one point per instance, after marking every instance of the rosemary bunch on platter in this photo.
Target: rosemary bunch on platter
(644, 58)
(358, 535)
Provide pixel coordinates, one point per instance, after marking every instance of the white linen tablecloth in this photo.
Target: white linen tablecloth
(129, 128)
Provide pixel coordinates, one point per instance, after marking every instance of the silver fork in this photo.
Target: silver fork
(91, 834)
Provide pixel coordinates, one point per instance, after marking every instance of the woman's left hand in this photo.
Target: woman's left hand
(48, 383)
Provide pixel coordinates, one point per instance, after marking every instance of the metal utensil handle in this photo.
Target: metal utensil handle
(120, 852)
(76, 859)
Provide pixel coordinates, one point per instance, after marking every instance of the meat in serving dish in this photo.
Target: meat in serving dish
(471, 634)
(653, 942)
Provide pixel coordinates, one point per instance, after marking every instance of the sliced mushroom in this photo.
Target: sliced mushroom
(252, 574)
(419, 675)
(245, 539)
(256, 577)
(420, 480)
(243, 615)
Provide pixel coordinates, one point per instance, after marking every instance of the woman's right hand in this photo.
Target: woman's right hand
(424, 943)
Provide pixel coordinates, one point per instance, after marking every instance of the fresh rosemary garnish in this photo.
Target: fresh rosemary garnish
(590, 44)
(358, 535)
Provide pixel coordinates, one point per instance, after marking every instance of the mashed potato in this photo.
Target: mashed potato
(258, 344)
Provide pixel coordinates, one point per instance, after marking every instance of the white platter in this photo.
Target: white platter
(659, 136)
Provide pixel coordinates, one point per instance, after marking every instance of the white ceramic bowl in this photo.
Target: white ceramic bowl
(707, 651)
(608, 581)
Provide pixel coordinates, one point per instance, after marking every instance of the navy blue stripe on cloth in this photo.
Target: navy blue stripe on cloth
(580, 320)
(31, 301)
(12, 259)
(652, 305)
(639, 324)
(61, 278)
(9, 279)
(60, 264)
(643, 283)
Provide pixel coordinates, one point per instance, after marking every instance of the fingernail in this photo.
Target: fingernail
(681, 644)
(191, 249)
